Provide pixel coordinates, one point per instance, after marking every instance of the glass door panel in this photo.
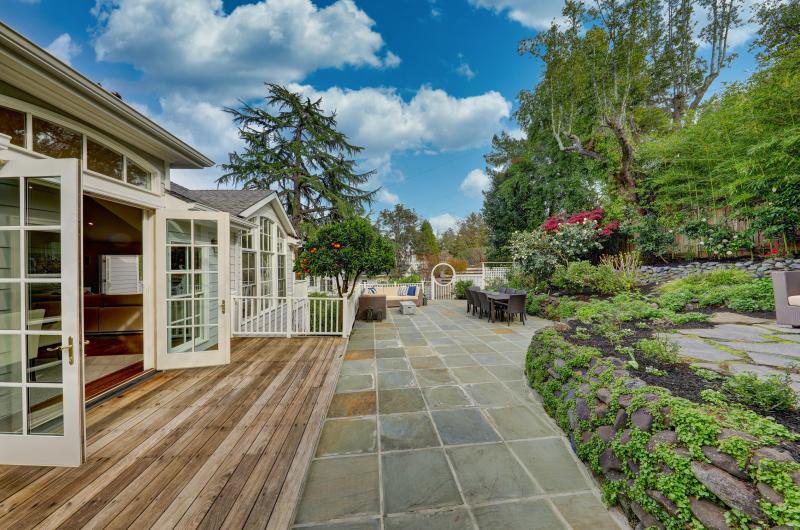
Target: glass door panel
(41, 388)
(195, 290)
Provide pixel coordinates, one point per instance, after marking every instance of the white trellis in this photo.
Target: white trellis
(495, 270)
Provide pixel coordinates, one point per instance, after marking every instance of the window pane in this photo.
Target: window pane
(9, 254)
(9, 202)
(178, 258)
(44, 253)
(45, 411)
(206, 338)
(55, 141)
(103, 160)
(44, 202)
(12, 123)
(205, 232)
(179, 285)
(44, 306)
(10, 306)
(179, 231)
(10, 361)
(138, 176)
(179, 339)
(44, 366)
(11, 410)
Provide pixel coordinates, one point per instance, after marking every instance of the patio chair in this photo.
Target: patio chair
(470, 300)
(786, 285)
(502, 290)
(515, 306)
(485, 307)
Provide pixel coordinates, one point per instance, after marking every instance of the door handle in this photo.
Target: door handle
(68, 347)
(222, 305)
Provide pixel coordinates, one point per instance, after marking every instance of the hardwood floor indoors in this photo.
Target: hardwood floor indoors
(215, 447)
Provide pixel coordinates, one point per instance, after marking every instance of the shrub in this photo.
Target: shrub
(460, 288)
(410, 278)
(755, 296)
(659, 348)
(583, 277)
(535, 304)
(772, 393)
(627, 266)
(563, 309)
(534, 252)
(732, 288)
(652, 239)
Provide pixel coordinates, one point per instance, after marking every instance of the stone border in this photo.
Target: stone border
(759, 269)
(668, 462)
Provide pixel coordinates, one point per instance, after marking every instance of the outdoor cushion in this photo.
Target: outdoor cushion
(794, 300)
(372, 290)
(412, 290)
(402, 290)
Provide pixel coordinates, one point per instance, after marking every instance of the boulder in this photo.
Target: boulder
(669, 506)
(608, 461)
(604, 395)
(582, 409)
(643, 419)
(708, 513)
(666, 437)
(600, 410)
(605, 433)
(732, 491)
(645, 518)
(770, 453)
(726, 433)
(724, 461)
(769, 493)
(625, 400)
(621, 420)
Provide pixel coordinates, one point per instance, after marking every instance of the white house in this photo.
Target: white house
(108, 270)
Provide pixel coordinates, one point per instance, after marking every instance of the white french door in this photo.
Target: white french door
(192, 286)
(41, 379)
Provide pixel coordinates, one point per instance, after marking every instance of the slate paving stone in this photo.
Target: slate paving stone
(450, 350)
(517, 423)
(458, 519)
(698, 349)
(490, 359)
(387, 353)
(400, 400)
(433, 361)
(419, 351)
(435, 377)
(396, 379)
(463, 426)
(473, 374)
(441, 341)
(761, 371)
(522, 391)
(458, 360)
(726, 317)
(551, 463)
(489, 472)
(774, 360)
(348, 436)
(772, 348)
(340, 487)
(524, 515)
(584, 511)
(491, 394)
(789, 337)
(355, 383)
(373, 524)
(352, 404)
(358, 367)
(417, 480)
(407, 431)
(391, 364)
(356, 355)
(446, 397)
(507, 373)
(728, 332)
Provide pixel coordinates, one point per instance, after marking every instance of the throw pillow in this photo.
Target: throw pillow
(372, 290)
(402, 290)
(412, 290)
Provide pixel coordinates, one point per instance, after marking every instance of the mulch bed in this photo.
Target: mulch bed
(680, 379)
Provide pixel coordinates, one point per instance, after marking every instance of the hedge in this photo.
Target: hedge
(666, 461)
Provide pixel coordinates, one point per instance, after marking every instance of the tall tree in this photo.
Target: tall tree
(293, 147)
(426, 243)
(399, 225)
(779, 28)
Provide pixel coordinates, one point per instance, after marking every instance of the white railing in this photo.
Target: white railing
(262, 316)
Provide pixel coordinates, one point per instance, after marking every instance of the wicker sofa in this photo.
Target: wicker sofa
(393, 296)
(787, 297)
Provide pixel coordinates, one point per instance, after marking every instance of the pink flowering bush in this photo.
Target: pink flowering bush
(556, 223)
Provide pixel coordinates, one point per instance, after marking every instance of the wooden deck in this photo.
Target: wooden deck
(205, 448)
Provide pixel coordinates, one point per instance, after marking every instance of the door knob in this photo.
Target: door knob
(222, 305)
(68, 347)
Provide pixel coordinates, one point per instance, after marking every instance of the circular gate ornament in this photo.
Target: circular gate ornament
(452, 274)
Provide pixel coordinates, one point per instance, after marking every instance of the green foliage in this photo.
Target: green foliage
(652, 239)
(399, 225)
(659, 348)
(708, 375)
(315, 176)
(627, 307)
(535, 304)
(346, 250)
(581, 333)
(323, 314)
(772, 393)
(410, 278)
(655, 371)
(583, 277)
(467, 242)
(460, 288)
(426, 243)
(719, 240)
(731, 288)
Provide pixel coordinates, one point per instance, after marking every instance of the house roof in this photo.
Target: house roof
(33, 70)
(241, 203)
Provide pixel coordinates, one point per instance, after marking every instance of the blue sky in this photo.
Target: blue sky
(421, 84)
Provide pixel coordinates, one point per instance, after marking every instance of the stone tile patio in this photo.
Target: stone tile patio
(434, 427)
(738, 344)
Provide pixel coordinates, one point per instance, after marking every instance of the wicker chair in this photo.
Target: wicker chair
(786, 285)
(484, 307)
(471, 305)
(515, 306)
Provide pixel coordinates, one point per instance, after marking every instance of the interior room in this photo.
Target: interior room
(112, 294)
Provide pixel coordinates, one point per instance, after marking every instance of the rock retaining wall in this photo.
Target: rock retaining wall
(668, 462)
(665, 273)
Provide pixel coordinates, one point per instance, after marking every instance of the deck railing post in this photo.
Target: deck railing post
(289, 315)
(346, 316)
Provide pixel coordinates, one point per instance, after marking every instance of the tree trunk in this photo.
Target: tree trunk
(626, 182)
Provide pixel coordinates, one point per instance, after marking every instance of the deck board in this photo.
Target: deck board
(209, 447)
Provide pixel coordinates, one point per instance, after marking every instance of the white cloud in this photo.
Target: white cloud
(195, 46)
(464, 69)
(537, 14)
(63, 48)
(387, 196)
(383, 122)
(475, 183)
(517, 133)
(440, 223)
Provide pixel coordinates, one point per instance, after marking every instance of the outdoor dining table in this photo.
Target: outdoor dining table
(495, 297)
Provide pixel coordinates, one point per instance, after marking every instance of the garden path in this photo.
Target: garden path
(739, 343)
(434, 426)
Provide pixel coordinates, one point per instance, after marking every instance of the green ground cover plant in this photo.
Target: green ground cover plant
(730, 288)
(772, 393)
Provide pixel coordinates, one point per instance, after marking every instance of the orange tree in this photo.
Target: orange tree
(345, 251)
